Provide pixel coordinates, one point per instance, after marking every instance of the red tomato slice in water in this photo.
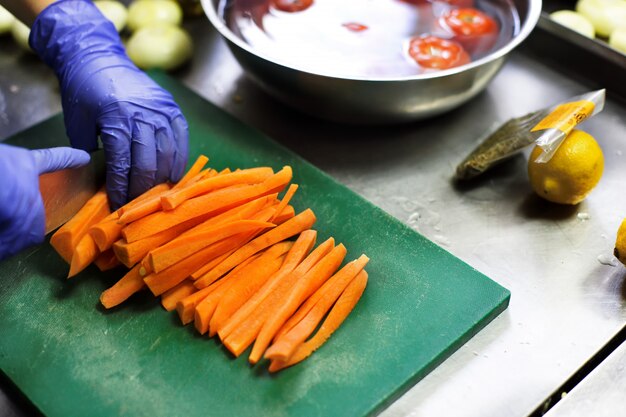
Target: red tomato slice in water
(437, 53)
(469, 22)
(292, 6)
(355, 27)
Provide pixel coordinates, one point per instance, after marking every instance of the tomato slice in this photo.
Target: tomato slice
(437, 53)
(292, 6)
(355, 27)
(469, 22)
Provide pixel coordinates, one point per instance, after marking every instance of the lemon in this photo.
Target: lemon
(620, 243)
(570, 175)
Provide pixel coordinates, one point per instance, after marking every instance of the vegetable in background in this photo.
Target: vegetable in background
(163, 46)
(114, 11)
(618, 39)
(6, 21)
(574, 21)
(20, 33)
(605, 15)
(143, 13)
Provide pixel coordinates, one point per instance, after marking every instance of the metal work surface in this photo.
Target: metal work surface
(601, 394)
(568, 294)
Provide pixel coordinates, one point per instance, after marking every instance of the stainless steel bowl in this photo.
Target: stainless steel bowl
(371, 100)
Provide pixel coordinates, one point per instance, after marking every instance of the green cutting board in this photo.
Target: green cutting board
(72, 358)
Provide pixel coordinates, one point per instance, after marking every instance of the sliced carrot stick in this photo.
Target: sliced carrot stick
(146, 267)
(122, 289)
(84, 254)
(334, 285)
(286, 214)
(292, 227)
(131, 253)
(212, 203)
(286, 198)
(108, 230)
(107, 260)
(296, 254)
(170, 277)
(67, 237)
(195, 169)
(305, 286)
(246, 176)
(171, 297)
(244, 333)
(241, 290)
(205, 307)
(310, 314)
(209, 226)
(209, 265)
(337, 315)
(157, 190)
(187, 306)
(180, 248)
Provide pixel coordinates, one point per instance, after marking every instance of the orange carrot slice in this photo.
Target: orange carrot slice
(310, 314)
(106, 232)
(107, 260)
(67, 237)
(180, 248)
(195, 169)
(187, 306)
(242, 289)
(302, 289)
(122, 289)
(211, 264)
(296, 254)
(131, 253)
(171, 297)
(286, 199)
(244, 333)
(211, 203)
(160, 282)
(286, 214)
(291, 227)
(203, 309)
(84, 254)
(342, 308)
(334, 285)
(246, 176)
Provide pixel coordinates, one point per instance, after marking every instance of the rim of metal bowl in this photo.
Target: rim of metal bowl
(534, 11)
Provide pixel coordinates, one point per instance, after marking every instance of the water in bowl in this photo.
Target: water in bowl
(357, 38)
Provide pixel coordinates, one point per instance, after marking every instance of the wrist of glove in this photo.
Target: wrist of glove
(143, 132)
(22, 217)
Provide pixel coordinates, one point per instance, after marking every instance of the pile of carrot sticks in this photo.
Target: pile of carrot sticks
(227, 253)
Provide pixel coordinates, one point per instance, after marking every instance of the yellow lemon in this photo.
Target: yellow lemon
(620, 243)
(570, 175)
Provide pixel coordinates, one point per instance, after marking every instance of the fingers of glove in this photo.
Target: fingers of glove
(181, 138)
(166, 150)
(80, 125)
(54, 159)
(143, 159)
(117, 147)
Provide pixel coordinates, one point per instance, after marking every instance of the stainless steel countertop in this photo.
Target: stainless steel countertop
(592, 396)
(566, 301)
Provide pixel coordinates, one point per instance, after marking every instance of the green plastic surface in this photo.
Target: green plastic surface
(72, 358)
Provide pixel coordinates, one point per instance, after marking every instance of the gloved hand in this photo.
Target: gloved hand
(143, 132)
(22, 216)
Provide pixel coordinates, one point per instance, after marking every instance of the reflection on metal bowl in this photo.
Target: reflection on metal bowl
(372, 100)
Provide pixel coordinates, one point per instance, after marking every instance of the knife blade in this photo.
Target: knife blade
(64, 192)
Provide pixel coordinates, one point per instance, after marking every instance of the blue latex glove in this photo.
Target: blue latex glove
(143, 132)
(22, 216)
